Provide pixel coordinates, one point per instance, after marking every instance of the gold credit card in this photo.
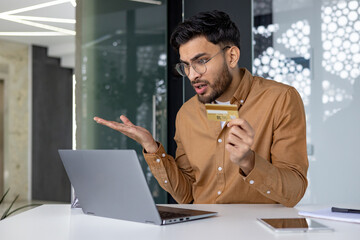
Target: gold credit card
(218, 112)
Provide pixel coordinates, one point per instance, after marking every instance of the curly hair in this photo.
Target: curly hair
(215, 26)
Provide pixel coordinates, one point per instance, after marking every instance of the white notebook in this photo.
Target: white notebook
(328, 214)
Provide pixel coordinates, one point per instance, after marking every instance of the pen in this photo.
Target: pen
(345, 210)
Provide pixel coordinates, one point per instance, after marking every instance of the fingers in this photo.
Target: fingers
(239, 149)
(238, 154)
(102, 121)
(237, 134)
(243, 124)
(96, 119)
(239, 140)
(127, 128)
(240, 132)
(126, 121)
(137, 133)
(111, 124)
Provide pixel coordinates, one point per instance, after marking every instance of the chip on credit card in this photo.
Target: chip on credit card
(219, 112)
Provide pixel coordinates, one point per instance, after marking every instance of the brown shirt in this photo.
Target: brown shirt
(202, 171)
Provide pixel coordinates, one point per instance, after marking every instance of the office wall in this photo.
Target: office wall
(335, 111)
(51, 126)
(314, 47)
(175, 81)
(14, 70)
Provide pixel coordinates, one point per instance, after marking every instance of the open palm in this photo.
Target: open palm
(137, 133)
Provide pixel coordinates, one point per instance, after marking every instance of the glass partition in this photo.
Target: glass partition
(314, 46)
(122, 70)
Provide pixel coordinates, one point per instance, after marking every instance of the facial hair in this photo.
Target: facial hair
(220, 85)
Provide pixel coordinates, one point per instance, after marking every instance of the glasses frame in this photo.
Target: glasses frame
(178, 66)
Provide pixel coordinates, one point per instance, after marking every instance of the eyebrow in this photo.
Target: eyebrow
(194, 58)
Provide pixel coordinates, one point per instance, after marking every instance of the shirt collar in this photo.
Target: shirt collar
(243, 89)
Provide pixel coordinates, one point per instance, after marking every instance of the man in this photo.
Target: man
(259, 157)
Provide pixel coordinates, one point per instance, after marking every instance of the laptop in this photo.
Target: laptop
(111, 183)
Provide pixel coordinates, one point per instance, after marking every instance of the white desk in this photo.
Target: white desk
(52, 222)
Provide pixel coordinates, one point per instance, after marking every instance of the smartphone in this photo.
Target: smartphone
(294, 225)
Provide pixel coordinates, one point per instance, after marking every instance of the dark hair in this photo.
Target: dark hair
(215, 26)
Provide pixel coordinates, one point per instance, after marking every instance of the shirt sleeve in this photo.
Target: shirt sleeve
(174, 175)
(282, 178)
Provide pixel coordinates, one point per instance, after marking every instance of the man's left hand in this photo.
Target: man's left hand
(239, 140)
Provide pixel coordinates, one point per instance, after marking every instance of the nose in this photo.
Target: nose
(193, 75)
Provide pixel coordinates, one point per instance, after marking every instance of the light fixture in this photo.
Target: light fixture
(148, 1)
(32, 34)
(46, 19)
(29, 20)
(39, 25)
(34, 7)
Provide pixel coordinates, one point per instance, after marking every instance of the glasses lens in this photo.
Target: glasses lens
(199, 67)
(181, 68)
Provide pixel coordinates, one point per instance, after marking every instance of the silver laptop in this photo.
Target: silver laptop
(111, 183)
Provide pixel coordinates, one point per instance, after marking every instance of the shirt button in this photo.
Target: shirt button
(219, 192)
(219, 168)
(165, 181)
(158, 160)
(163, 155)
(268, 192)
(241, 101)
(219, 140)
(251, 181)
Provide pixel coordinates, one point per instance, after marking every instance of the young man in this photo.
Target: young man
(259, 157)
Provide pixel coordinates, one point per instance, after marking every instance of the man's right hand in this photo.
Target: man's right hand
(139, 134)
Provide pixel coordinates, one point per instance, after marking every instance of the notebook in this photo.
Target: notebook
(328, 214)
(111, 183)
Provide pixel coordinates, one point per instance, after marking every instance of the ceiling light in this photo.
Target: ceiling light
(43, 5)
(39, 25)
(32, 34)
(148, 1)
(45, 19)
(23, 20)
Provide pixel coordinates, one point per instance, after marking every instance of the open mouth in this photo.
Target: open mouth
(200, 88)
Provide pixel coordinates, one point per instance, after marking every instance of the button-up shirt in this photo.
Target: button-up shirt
(202, 171)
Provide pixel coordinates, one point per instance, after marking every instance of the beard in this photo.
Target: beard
(220, 85)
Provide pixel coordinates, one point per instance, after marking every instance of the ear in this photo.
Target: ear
(233, 56)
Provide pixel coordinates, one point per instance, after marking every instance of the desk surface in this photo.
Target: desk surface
(236, 221)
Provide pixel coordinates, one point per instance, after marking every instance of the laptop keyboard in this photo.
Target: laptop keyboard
(171, 215)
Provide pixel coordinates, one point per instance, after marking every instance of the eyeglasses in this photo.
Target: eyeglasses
(198, 65)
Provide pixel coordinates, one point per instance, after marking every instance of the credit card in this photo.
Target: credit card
(218, 112)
